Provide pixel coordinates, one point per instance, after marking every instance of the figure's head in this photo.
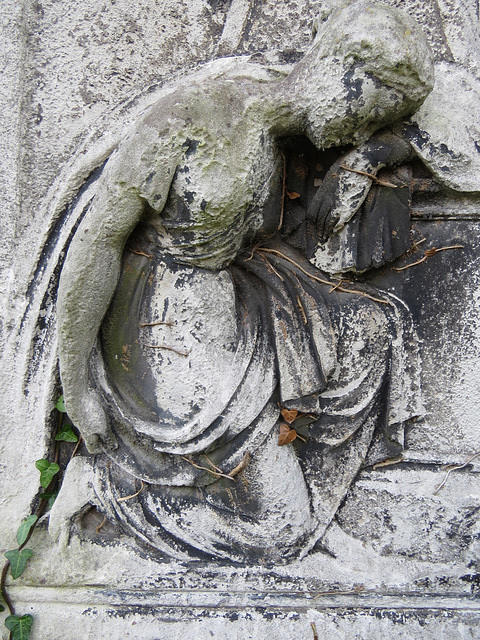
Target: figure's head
(369, 65)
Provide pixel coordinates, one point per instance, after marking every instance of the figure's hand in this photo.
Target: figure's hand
(348, 180)
(90, 419)
(337, 199)
(76, 495)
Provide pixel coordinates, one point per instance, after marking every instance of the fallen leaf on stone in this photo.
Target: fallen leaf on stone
(301, 171)
(286, 435)
(289, 415)
(292, 194)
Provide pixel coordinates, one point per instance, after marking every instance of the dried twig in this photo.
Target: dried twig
(169, 323)
(254, 249)
(97, 529)
(455, 468)
(416, 244)
(141, 253)
(80, 440)
(314, 629)
(339, 284)
(217, 474)
(389, 462)
(164, 346)
(134, 495)
(241, 466)
(317, 279)
(357, 589)
(214, 466)
(372, 177)
(302, 310)
(282, 255)
(271, 268)
(428, 254)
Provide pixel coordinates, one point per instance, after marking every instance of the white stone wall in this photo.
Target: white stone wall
(407, 560)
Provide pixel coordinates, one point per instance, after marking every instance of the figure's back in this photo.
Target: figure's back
(226, 164)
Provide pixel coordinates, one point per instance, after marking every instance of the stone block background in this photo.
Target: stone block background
(403, 561)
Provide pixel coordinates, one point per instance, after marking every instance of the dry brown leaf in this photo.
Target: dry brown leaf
(301, 171)
(292, 194)
(286, 435)
(289, 415)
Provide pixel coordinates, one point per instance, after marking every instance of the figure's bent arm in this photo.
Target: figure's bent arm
(347, 184)
(89, 278)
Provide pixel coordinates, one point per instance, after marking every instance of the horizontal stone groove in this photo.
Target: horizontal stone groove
(450, 211)
(427, 216)
(100, 598)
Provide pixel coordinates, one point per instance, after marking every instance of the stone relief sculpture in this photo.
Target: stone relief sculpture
(194, 305)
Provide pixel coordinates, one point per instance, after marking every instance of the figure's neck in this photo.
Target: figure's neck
(287, 116)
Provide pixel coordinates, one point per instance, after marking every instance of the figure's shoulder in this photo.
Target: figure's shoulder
(190, 93)
(249, 68)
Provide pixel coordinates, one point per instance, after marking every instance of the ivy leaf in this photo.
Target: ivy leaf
(18, 560)
(286, 435)
(19, 626)
(24, 528)
(293, 195)
(60, 405)
(51, 497)
(66, 434)
(47, 471)
(289, 415)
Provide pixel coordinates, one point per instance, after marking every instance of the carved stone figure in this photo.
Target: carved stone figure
(192, 308)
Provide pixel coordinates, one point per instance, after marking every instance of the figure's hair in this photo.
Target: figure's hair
(388, 44)
(326, 11)
(368, 66)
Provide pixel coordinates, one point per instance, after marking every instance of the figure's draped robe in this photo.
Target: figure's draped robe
(346, 359)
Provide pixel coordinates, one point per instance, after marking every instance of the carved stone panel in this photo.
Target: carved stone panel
(255, 283)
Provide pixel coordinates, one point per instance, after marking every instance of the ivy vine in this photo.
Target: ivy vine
(19, 626)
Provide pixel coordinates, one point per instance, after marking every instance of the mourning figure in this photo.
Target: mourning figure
(212, 361)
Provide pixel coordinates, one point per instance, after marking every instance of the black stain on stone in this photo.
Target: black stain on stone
(39, 115)
(290, 56)
(353, 85)
(474, 580)
(190, 146)
(189, 196)
(233, 617)
(416, 135)
(448, 152)
(219, 5)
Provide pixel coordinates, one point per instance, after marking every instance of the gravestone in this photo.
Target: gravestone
(247, 256)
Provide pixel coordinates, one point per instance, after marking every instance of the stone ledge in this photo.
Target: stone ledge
(335, 621)
(100, 598)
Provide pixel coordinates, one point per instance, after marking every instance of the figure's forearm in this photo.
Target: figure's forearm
(87, 284)
(385, 149)
(347, 182)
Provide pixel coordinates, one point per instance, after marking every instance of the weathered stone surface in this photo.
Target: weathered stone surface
(401, 560)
